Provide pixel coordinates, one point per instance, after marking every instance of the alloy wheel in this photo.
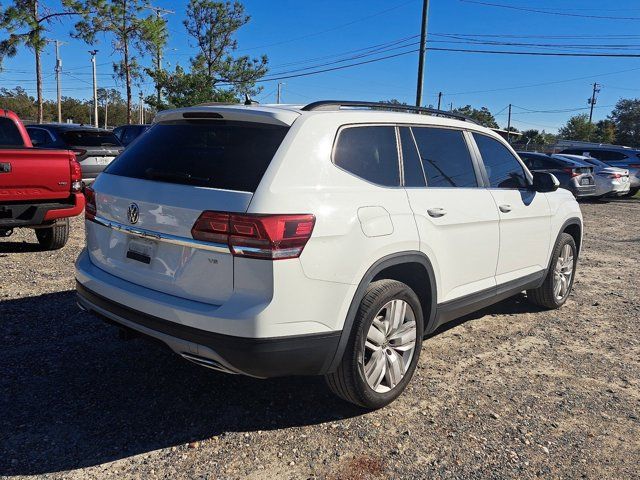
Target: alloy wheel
(389, 346)
(562, 273)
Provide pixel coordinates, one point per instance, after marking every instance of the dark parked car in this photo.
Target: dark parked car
(94, 147)
(574, 176)
(128, 133)
(621, 157)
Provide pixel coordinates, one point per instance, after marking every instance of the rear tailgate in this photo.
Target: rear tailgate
(34, 174)
(130, 248)
(149, 198)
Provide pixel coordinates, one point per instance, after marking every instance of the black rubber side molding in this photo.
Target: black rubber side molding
(259, 357)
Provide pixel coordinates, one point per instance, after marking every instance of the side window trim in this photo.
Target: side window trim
(398, 151)
(525, 169)
(401, 154)
(476, 159)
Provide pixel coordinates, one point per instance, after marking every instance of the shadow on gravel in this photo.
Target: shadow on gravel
(75, 396)
(19, 247)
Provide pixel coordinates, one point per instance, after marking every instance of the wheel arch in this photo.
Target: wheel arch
(411, 268)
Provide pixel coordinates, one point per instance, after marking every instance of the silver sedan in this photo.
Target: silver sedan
(610, 181)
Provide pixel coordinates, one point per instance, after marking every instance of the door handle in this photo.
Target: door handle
(505, 208)
(437, 212)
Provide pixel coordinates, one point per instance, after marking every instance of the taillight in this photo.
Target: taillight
(571, 172)
(79, 152)
(90, 203)
(634, 165)
(272, 237)
(615, 175)
(76, 175)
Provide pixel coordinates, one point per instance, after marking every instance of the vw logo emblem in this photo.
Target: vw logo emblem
(133, 213)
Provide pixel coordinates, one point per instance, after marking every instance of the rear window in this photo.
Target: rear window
(90, 138)
(216, 154)
(9, 134)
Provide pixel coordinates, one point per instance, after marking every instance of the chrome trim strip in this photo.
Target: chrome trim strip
(161, 237)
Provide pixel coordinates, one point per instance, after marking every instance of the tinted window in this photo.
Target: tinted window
(89, 138)
(607, 156)
(503, 169)
(370, 153)
(9, 134)
(216, 154)
(38, 136)
(413, 174)
(131, 133)
(445, 157)
(538, 162)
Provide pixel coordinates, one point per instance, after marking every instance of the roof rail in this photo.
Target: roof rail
(338, 104)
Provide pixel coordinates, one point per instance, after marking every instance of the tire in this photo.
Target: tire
(549, 294)
(349, 382)
(632, 192)
(54, 237)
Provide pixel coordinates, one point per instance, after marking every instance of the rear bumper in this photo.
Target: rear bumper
(583, 191)
(257, 357)
(27, 214)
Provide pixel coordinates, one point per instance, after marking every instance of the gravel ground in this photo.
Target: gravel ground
(509, 392)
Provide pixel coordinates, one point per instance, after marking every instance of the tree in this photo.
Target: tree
(535, 137)
(215, 75)
(213, 26)
(626, 118)
(32, 20)
(17, 100)
(605, 132)
(483, 116)
(578, 128)
(130, 31)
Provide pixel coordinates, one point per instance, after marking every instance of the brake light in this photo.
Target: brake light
(634, 165)
(76, 175)
(571, 172)
(272, 237)
(90, 203)
(79, 152)
(615, 175)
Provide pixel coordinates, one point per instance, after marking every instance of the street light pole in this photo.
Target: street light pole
(423, 47)
(95, 88)
(509, 126)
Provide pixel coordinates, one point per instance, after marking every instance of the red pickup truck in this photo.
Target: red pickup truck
(39, 188)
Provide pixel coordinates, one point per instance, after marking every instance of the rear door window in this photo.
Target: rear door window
(445, 157)
(39, 136)
(90, 138)
(216, 154)
(9, 134)
(369, 152)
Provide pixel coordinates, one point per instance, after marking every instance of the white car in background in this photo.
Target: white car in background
(610, 181)
(326, 240)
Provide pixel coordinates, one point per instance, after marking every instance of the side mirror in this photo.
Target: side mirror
(545, 182)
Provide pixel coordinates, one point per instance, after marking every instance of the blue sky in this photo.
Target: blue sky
(290, 31)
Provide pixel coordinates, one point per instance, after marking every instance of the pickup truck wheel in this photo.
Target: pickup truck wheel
(383, 348)
(55, 236)
(559, 280)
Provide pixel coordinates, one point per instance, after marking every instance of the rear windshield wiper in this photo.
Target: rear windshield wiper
(153, 174)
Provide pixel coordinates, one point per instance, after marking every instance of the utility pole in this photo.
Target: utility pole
(279, 95)
(423, 48)
(106, 106)
(141, 109)
(58, 70)
(160, 12)
(593, 100)
(509, 126)
(95, 88)
(439, 99)
(451, 107)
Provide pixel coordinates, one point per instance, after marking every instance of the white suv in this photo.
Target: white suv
(327, 239)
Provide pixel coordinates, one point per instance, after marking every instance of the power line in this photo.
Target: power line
(547, 12)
